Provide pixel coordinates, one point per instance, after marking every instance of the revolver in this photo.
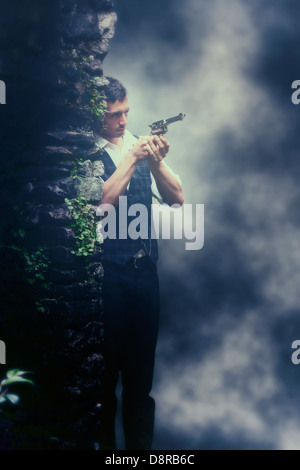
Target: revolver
(161, 127)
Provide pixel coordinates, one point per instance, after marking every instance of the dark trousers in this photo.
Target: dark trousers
(131, 311)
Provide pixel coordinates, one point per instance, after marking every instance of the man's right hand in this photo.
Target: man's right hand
(142, 149)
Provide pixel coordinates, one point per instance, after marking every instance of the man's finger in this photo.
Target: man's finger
(153, 147)
(163, 149)
(164, 141)
(156, 140)
(159, 143)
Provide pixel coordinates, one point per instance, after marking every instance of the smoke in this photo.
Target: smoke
(224, 377)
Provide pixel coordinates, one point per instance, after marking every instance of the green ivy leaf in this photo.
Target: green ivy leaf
(14, 399)
(15, 379)
(14, 372)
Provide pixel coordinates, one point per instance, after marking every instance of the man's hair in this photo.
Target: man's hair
(114, 90)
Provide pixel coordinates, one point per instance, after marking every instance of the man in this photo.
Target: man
(133, 167)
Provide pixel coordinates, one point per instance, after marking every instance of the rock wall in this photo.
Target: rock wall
(52, 63)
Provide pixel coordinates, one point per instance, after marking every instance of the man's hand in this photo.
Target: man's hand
(152, 148)
(141, 149)
(158, 148)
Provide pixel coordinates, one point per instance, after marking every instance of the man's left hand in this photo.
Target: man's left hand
(158, 148)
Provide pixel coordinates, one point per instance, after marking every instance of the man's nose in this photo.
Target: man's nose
(123, 120)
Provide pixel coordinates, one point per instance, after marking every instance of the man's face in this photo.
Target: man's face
(115, 119)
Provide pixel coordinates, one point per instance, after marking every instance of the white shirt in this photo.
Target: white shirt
(117, 154)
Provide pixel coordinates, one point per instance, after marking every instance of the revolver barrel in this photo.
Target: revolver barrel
(161, 127)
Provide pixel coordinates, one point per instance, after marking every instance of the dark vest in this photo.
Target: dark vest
(139, 192)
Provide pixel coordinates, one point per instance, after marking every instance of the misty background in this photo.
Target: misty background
(224, 378)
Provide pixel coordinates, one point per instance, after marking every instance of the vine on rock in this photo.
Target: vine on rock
(84, 225)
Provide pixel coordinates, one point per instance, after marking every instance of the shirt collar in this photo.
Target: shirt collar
(103, 143)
